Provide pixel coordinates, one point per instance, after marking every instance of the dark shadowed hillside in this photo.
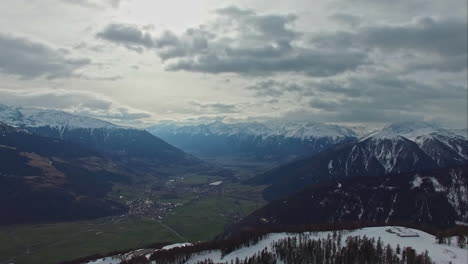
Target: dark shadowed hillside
(437, 197)
(45, 179)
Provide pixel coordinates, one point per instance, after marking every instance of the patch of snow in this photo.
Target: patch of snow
(462, 132)
(107, 260)
(177, 245)
(437, 186)
(391, 210)
(216, 183)
(404, 237)
(417, 181)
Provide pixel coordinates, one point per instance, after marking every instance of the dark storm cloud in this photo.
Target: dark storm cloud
(238, 41)
(444, 37)
(376, 98)
(444, 41)
(194, 41)
(372, 70)
(127, 35)
(441, 64)
(308, 62)
(265, 44)
(242, 41)
(245, 42)
(387, 97)
(31, 59)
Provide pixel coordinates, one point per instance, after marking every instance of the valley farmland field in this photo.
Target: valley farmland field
(197, 217)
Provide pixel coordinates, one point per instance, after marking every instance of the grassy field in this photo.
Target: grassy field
(202, 212)
(203, 219)
(52, 243)
(200, 218)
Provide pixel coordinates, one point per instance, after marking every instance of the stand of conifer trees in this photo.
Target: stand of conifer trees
(304, 250)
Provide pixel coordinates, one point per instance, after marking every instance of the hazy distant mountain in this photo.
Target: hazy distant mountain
(276, 141)
(46, 179)
(398, 148)
(437, 197)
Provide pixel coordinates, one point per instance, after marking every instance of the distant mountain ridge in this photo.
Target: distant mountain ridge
(274, 140)
(136, 148)
(300, 130)
(31, 117)
(58, 166)
(398, 148)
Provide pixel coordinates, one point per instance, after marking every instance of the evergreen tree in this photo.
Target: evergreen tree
(461, 241)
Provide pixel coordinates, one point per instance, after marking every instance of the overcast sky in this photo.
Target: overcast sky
(137, 62)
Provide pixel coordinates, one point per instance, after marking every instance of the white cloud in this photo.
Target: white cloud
(322, 60)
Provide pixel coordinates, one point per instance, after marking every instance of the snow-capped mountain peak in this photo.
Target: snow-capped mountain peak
(32, 117)
(411, 130)
(305, 130)
(300, 130)
(407, 127)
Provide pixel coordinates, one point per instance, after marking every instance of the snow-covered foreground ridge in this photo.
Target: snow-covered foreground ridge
(391, 235)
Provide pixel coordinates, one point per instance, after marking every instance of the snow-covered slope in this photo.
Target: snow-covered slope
(392, 235)
(423, 241)
(462, 132)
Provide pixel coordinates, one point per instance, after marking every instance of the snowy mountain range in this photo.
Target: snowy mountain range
(397, 148)
(31, 117)
(273, 140)
(135, 148)
(300, 130)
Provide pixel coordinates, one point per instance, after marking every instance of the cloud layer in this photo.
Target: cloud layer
(30, 59)
(239, 41)
(95, 3)
(127, 35)
(331, 61)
